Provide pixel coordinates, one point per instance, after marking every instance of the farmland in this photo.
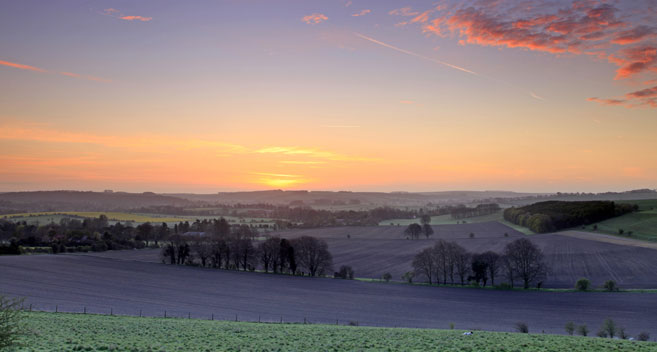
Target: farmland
(69, 283)
(641, 225)
(373, 251)
(71, 332)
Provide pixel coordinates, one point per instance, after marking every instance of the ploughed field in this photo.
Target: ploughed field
(76, 332)
(373, 251)
(103, 285)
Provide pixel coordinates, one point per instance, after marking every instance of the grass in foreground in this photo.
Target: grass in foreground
(77, 332)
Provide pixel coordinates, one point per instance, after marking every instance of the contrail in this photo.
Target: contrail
(414, 54)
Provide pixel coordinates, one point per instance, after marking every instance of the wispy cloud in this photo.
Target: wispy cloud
(404, 11)
(640, 98)
(315, 18)
(136, 18)
(340, 126)
(407, 52)
(41, 70)
(311, 153)
(21, 66)
(361, 13)
(536, 96)
(118, 14)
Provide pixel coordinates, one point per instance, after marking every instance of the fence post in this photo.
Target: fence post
(258, 318)
(30, 307)
(304, 320)
(165, 313)
(85, 310)
(189, 315)
(56, 309)
(212, 316)
(112, 311)
(140, 313)
(281, 319)
(235, 317)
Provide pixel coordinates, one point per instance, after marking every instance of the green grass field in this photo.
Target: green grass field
(447, 220)
(78, 332)
(642, 224)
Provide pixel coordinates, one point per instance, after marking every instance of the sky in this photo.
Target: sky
(207, 96)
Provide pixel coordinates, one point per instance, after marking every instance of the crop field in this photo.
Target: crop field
(73, 283)
(373, 251)
(75, 332)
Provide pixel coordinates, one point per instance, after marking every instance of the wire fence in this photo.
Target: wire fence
(209, 315)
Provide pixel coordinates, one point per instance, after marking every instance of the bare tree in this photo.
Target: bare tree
(427, 230)
(424, 264)
(492, 261)
(313, 255)
(413, 231)
(526, 261)
(462, 262)
(268, 252)
(201, 248)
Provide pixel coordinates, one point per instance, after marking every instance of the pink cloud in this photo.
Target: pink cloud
(362, 13)
(404, 11)
(117, 14)
(21, 66)
(640, 98)
(595, 28)
(136, 18)
(314, 18)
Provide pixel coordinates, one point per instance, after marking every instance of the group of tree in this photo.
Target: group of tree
(235, 248)
(414, 231)
(462, 212)
(608, 329)
(557, 215)
(448, 262)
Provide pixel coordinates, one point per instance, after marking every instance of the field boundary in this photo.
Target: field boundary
(601, 237)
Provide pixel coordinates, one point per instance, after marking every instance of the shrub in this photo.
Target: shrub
(353, 323)
(506, 234)
(408, 277)
(522, 327)
(451, 326)
(610, 285)
(504, 286)
(11, 326)
(582, 284)
(643, 336)
(621, 231)
(387, 277)
(583, 330)
(622, 334)
(609, 327)
(472, 235)
(601, 333)
(570, 328)
(346, 272)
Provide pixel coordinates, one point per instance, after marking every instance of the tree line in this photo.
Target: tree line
(552, 216)
(236, 249)
(448, 262)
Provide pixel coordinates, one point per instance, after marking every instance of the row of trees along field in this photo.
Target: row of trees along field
(558, 215)
(96, 234)
(234, 249)
(448, 262)
(462, 212)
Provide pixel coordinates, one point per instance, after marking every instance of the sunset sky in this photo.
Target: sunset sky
(380, 95)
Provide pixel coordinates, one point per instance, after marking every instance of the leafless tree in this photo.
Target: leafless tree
(526, 261)
(313, 255)
(424, 264)
(268, 252)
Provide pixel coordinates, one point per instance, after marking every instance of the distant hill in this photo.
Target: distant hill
(91, 201)
(324, 198)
